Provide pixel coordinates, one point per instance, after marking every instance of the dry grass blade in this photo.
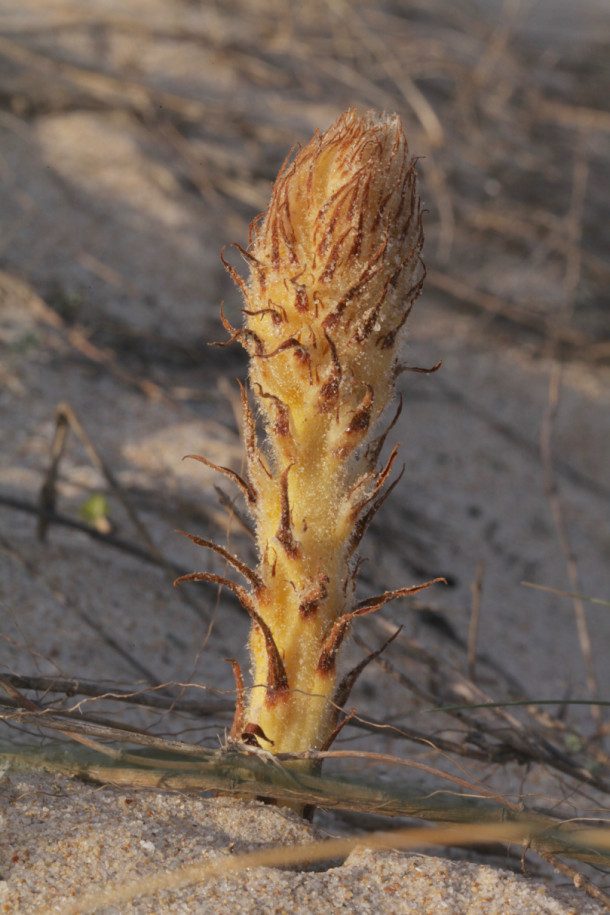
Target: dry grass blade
(308, 854)
(238, 769)
(590, 600)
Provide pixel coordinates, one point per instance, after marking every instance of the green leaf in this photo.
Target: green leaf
(95, 509)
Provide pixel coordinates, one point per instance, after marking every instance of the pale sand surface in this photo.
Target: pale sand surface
(61, 837)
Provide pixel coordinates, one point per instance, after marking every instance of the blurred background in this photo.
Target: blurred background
(135, 135)
(136, 140)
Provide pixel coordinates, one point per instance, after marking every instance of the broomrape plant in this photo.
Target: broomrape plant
(335, 267)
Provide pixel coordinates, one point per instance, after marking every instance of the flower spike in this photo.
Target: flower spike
(334, 270)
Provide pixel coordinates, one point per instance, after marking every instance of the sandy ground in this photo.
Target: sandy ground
(64, 836)
(109, 289)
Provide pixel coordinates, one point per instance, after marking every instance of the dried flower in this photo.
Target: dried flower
(335, 268)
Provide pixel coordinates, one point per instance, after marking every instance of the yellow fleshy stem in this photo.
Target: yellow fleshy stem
(335, 268)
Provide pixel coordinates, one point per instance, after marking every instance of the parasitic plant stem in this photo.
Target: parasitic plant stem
(335, 268)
